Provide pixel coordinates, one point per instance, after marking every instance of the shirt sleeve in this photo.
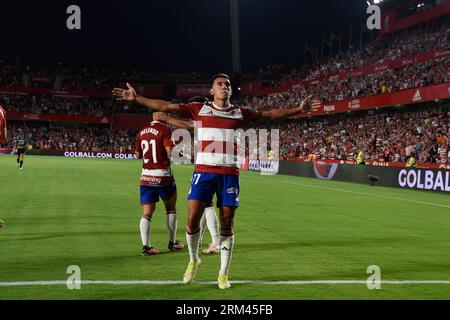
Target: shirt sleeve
(138, 148)
(168, 138)
(251, 115)
(187, 110)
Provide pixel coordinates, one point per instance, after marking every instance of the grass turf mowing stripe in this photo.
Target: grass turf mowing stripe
(251, 175)
(172, 282)
(356, 192)
(88, 216)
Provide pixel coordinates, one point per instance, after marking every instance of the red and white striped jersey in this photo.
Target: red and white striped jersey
(216, 135)
(150, 144)
(2, 124)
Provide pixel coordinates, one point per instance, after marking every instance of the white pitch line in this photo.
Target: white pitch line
(173, 282)
(357, 192)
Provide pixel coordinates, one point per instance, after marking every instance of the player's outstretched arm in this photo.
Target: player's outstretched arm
(179, 123)
(307, 106)
(153, 104)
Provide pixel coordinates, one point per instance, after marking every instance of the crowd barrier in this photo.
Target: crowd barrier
(436, 180)
(76, 154)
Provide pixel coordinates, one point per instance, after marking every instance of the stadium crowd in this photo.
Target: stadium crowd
(45, 104)
(406, 43)
(413, 76)
(72, 106)
(388, 48)
(73, 79)
(61, 138)
(382, 136)
(387, 136)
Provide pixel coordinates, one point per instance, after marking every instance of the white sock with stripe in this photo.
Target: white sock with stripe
(193, 241)
(213, 225)
(144, 226)
(171, 220)
(226, 251)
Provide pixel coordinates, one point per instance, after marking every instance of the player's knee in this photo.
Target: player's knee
(170, 207)
(190, 229)
(226, 227)
(147, 215)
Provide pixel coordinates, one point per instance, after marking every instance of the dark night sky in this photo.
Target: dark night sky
(171, 36)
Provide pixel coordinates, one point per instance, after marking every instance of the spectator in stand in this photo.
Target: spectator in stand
(92, 139)
(385, 135)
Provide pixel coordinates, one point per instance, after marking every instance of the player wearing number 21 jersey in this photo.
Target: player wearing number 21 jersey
(154, 146)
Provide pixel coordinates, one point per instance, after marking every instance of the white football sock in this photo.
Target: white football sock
(144, 226)
(226, 250)
(193, 241)
(171, 220)
(213, 225)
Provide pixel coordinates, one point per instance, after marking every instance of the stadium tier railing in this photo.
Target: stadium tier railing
(405, 97)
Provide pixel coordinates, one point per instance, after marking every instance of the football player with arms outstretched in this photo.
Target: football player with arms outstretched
(215, 172)
(209, 218)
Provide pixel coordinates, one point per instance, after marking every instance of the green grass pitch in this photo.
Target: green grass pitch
(60, 212)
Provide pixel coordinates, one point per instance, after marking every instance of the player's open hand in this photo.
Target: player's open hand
(310, 105)
(160, 116)
(125, 94)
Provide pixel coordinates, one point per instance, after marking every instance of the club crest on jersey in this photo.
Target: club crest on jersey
(208, 111)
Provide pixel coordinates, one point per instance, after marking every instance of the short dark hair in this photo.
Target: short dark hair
(219, 75)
